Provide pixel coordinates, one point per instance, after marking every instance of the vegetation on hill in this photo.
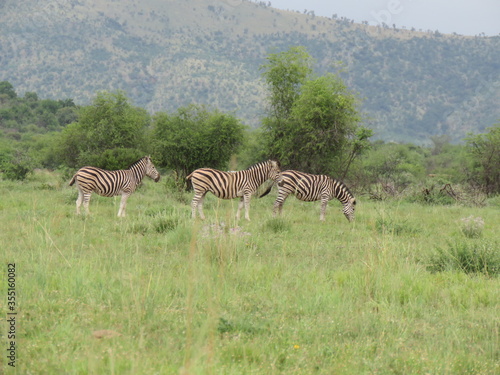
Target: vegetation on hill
(171, 54)
(29, 114)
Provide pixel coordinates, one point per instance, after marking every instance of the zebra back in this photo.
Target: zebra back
(228, 185)
(309, 187)
(110, 183)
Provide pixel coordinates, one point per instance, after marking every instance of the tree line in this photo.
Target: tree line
(312, 123)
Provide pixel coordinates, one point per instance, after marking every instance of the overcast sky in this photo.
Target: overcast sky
(466, 17)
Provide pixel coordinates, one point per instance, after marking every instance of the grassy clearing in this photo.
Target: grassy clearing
(288, 295)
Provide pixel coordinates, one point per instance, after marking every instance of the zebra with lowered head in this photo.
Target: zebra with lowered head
(229, 185)
(111, 183)
(309, 187)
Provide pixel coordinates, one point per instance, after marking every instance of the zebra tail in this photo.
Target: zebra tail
(189, 176)
(72, 180)
(267, 191)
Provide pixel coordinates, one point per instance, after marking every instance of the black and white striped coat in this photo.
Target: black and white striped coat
(229, 185)
(110, 183)
(309, 187)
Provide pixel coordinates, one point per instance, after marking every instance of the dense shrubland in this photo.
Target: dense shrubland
(112, 133)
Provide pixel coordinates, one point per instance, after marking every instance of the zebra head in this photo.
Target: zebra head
(275, 171)
(151, 170)
(348, 209)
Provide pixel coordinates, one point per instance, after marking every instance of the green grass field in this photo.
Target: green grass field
(290, 295)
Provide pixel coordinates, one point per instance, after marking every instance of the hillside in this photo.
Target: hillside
(165, 54)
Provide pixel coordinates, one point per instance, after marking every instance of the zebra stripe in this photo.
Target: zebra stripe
(111, 183)
(229, 185)
(309, 187)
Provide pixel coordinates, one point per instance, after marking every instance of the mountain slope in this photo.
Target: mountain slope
(167, 53)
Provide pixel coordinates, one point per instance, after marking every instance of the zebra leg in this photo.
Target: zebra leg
(197, 203)
(194, 204)
(200, 207)
(278, 205)
(246, 199)
(123, 205)
(79, 201)
(240, 206)
(324, 202)
(86, 201)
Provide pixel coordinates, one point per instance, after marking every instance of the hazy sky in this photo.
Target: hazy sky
(466, 17)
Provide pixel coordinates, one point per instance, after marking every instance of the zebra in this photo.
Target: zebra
(229, 185)
(111, 183)
(309, 187)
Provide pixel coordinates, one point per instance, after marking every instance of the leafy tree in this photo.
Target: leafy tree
(32, 115)
(6, 149)
(43, 149)
(253, 150)
(485, 151)
(66, 115)
(7, 89)
(195, 137)
(67, 150)
(448, 161)
(397, 164)
(312, 123)
(110, 133)
(31, 97)
(284, 73)
(440, 142)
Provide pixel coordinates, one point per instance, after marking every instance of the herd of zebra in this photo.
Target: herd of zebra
(225, 185)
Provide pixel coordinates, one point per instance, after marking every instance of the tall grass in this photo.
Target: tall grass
(275, 295)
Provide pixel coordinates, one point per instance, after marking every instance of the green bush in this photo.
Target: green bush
(195, 137)
(165, 224)
(430, 196)
(277, 225)
(494, 201)
(117, 158)
(16, 172)
(467, 256)
(107, 135)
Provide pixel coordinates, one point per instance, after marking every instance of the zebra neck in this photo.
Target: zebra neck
(259, 175)
(138, 171)
(340, 192)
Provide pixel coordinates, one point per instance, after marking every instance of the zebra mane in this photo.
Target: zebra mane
(137, 162)
(262, 163)
(344, 187)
